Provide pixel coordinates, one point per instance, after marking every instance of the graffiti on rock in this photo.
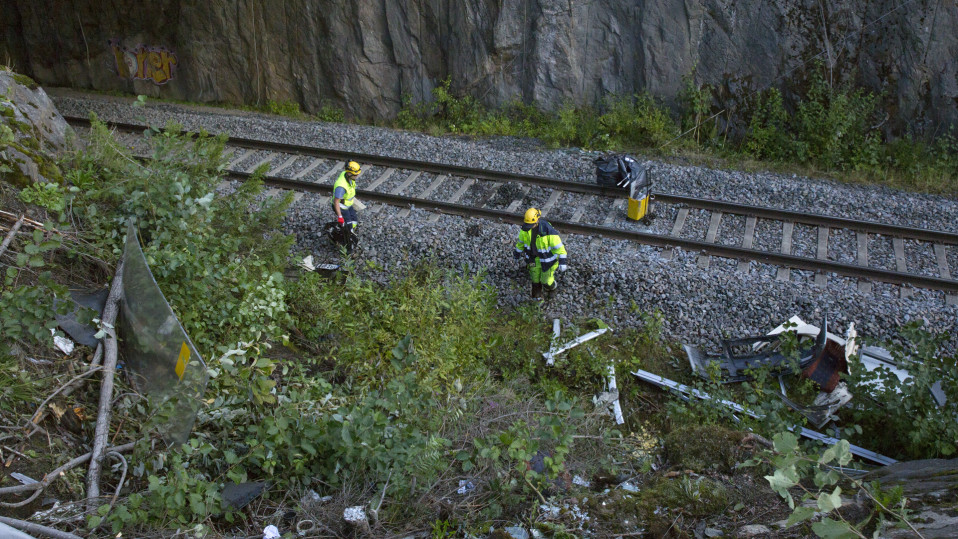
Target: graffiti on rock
(144, 63)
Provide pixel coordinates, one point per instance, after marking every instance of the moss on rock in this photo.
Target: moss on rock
(704, 447)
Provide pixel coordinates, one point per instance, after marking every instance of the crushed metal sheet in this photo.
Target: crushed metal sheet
(238, 495)
(553, 352)
(808, 433)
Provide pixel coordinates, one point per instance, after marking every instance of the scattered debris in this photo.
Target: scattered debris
(875, 357)
(271, 532)
(465, 486)
(582, 482)
(238, 495)
(62, 343)
(556, 350)
(610, 398)
(23, 479)
(84, 334)
(356, 517)
(628, 487)
(309, 265)
(808, 433)
(516, 532)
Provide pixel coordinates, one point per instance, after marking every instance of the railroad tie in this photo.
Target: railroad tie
(580, 211)
(553, 198)
(747, 241)
(821, 279)
(865, 287)
(514, 205)
(785, 274)
(900, 265)
(609, 219)
(242, 157)
(269, 157)
(714, 220)
(412, 177)
(676, 231)
(944, 271)
(374, 208)
(312, 166)
(455, 196)
(492, 194)
(285, 164)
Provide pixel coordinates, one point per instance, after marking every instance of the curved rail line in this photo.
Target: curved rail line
(707, 247)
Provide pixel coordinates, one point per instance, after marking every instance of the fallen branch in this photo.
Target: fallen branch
(116, 493)
(10, 235)
(52, 476)
(30, 527)
(106, 387)
(69, 387)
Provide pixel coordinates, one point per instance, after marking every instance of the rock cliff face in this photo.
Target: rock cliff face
(365, 55)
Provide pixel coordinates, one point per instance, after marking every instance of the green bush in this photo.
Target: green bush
(905, 422)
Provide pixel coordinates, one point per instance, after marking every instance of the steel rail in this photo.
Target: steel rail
(656, 240)
(813, 219)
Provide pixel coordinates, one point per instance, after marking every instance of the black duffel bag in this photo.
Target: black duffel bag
(616, 170)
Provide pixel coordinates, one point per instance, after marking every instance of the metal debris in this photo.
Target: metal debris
(556, 350)
(808, 433)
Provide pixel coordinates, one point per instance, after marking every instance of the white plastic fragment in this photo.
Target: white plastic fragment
(465, 486)
(555, 340)
(271, 532)
(579, 480)
(628, 487)
(307, 263)
(62, 343)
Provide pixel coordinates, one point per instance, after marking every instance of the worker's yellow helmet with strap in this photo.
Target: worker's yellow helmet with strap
(532, 216)
(352, 168)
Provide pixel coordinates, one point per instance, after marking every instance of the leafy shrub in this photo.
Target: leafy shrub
(46, 195)
(906, 422)
(696, 104)
(768, 134)
(218, 263)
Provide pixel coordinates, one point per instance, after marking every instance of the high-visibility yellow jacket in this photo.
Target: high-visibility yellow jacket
(344, 189)
(547, 246)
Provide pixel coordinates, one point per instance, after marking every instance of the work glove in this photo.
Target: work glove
(563, 267)
(340, 220)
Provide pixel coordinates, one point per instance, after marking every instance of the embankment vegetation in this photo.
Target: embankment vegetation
(418, 400)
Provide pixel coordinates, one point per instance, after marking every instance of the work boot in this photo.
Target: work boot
(536, 290)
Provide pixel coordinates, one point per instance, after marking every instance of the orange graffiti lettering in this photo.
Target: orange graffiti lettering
(144, 63)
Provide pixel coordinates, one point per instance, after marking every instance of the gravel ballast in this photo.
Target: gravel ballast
(612, 280)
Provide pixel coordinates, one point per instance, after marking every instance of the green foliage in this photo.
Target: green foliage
(639, 122)
(448, 316)
(330, 113)
(907, 422)
(768, 135)
(283, 108)
(835, 126)
(792, 471)
(218, 263)
(696, 105)
(27, 309)
(46, 195)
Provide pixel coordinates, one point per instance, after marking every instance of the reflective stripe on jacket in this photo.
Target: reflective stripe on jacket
(348, 187)
(548, 246)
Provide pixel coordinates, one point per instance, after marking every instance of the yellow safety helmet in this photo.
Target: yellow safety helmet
(352, 168)
(532, 216)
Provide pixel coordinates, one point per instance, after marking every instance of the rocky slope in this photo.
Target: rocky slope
(365, 56)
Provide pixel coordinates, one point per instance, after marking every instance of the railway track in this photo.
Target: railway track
(599, 211)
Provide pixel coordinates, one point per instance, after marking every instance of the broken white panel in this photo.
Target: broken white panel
(616, 407)
(805, 330)
(552, 353)
(555, 340)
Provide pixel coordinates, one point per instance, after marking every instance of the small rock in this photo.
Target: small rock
(752, 530)
(713, 532)
(516, 532)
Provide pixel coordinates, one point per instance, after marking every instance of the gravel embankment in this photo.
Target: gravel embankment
(611, 280)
